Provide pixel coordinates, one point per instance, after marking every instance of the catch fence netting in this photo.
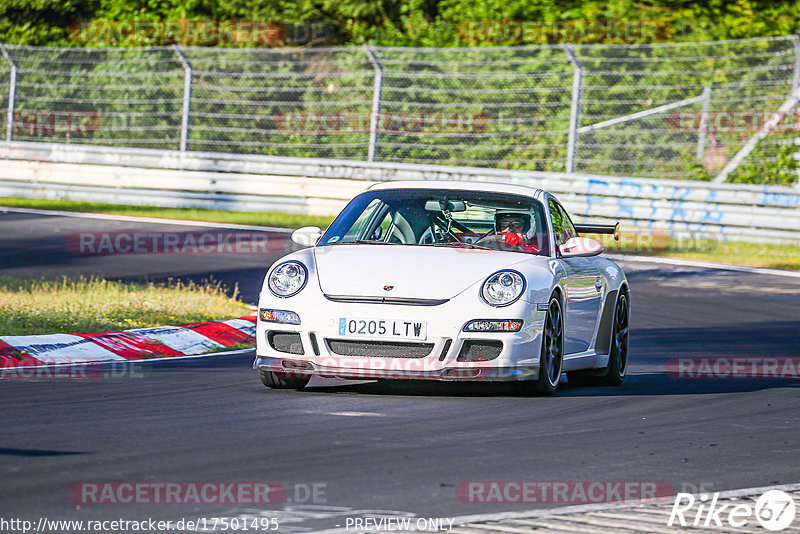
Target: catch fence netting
(659, 110)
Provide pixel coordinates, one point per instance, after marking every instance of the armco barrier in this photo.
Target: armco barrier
(322, 187)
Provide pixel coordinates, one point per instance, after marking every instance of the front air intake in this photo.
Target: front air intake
(480, 350)
(379, 349)
(445, 349)
(288, 342)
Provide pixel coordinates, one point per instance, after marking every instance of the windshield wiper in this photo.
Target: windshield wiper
(459, 244)
(361, 242)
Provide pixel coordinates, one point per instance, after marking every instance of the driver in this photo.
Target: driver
(511, 228)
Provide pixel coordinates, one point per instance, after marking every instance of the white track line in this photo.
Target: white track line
(196, 356)
(131, 218)
(578, 509)
(705, 264)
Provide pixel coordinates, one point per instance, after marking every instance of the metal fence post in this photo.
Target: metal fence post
(12, 93)
(377, 89)
(795, 87)
(575, 109)
(796, 73)
(704, 119)
(797, 157)
(187, 97)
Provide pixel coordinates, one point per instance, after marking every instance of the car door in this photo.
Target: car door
(583, 286)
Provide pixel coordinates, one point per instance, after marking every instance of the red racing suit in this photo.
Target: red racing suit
(516, 240)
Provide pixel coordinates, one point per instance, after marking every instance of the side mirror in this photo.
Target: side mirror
(577, 247)
(307, 236)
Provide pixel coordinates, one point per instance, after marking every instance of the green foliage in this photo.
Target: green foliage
(781, 169)
(695, 170)
(414, 22)
(245, 101)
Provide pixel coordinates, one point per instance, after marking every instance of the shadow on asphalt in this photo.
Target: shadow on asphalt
(647, 384)
(4, 451)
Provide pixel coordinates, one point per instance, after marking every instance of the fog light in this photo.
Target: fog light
(279, 316)
(492, 325)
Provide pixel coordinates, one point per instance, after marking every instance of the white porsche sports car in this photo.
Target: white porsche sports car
(446, 281)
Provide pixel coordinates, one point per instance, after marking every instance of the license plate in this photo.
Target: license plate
(383, 328)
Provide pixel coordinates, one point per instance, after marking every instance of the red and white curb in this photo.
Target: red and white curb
(138, 344)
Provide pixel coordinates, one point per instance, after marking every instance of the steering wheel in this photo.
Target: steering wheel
(427, 237)
(495, 241)
(438, 234)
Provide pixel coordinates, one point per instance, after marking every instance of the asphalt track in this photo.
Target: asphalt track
(33, 245)
(395, 447)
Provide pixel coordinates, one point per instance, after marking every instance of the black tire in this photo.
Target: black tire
(278, 380)
(618, 355)
(614, 373)
(552, 358)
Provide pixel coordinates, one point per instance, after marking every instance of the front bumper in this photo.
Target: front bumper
(364, 370)
(315, 350)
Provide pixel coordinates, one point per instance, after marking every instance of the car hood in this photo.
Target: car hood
(411, 271)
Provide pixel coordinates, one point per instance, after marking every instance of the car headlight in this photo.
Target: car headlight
(287, 279)
(503, 288)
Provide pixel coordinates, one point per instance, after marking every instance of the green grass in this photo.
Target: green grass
(256, 218)
(235, 346)
(750, 254)
(93, 305)
(774, 256)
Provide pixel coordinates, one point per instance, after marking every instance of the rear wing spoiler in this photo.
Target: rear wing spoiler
(612, 229)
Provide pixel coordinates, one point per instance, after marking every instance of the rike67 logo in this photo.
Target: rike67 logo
(774, 510)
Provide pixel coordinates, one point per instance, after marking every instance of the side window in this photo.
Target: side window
(569, 228)
(359, 226)
(384, 230)
(558, 222)
(562, 225)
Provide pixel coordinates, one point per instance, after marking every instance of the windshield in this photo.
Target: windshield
(445, 218)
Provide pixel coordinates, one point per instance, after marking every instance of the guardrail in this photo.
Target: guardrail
(323, 186)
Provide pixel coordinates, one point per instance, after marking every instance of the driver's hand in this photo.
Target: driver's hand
(511, 239)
